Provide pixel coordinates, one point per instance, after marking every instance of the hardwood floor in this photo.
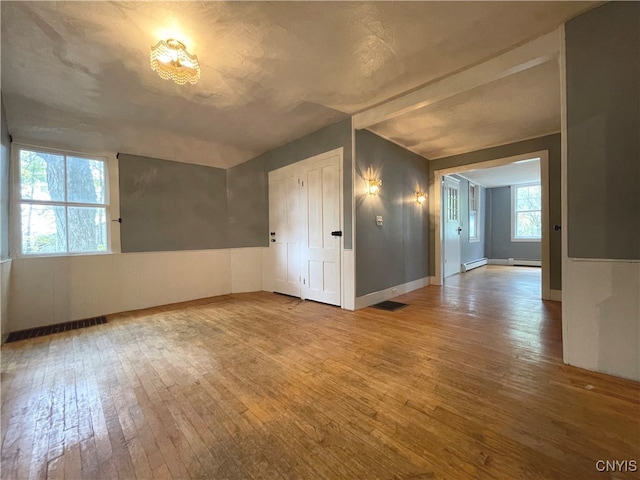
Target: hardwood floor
(467, 382)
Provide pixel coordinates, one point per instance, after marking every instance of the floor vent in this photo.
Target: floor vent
(466, 266)
(51, 329)
(389, 305)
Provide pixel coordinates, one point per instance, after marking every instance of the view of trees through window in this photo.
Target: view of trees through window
(528, 211)
(62, 203)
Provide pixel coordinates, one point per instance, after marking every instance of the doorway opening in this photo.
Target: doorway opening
(471, 225)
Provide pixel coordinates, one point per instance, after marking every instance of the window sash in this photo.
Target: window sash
(103, 205)
(515, 211)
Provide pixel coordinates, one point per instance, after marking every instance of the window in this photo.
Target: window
(474, 213)
(62, 203)
(526, 207)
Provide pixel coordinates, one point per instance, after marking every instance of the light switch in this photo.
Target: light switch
(379, 220)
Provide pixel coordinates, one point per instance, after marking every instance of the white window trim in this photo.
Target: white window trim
(475, 239)
(15, 237)
(513, 214)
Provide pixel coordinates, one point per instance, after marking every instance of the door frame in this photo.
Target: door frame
(436, 194)
(347, 269)
(443, 225)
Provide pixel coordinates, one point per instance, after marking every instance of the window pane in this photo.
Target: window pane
(87, 229)
(85, 180)
(43, 229)
(528, 224)
(472, 224)
(41, 176)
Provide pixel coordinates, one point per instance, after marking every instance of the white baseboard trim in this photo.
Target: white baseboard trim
(498, 261)
(432, 281)
(387, 293)
(555, 295)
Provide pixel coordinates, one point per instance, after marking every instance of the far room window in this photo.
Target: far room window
(62, 203)
(474, 209)
(526, 207)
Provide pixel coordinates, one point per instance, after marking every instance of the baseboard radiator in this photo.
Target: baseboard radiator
(466, 266)
(524, 262)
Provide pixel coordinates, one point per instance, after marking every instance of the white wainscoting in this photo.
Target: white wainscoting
(50, 290)
(5, 278)
(601, 316)
(386, 294)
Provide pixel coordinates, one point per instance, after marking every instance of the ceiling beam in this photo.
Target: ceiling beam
(528, 55)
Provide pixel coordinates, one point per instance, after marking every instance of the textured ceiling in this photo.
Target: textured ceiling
(524, 171)
(77, 74)
(516, 107)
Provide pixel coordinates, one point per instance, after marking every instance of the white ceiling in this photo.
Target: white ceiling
(518, 173)
(77, 74)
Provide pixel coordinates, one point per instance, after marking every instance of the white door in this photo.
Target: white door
(322, 235)
(451, 226)
(284, 229)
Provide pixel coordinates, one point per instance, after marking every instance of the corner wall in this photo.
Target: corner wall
(5, 261)
(601, 282)
(394, 254)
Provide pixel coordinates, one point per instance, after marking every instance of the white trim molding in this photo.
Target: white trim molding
(387, 293)
(555, 295)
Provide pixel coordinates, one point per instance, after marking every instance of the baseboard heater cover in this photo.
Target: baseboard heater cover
(58, 328)
(466, 266)
(524, 262)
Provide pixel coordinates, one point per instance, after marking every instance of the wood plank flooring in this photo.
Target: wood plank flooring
(467, 382)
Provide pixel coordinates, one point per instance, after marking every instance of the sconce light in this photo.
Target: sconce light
(373, 186)
(421, 197)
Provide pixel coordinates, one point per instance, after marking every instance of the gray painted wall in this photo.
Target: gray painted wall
(550, 143)
(603, 121)
(249, 216)
(5, 162)
(498, 228)
(167, 206)
(396, 252)
(470, 251)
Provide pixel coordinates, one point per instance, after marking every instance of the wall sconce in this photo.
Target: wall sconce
(373, 186)
(421, 197)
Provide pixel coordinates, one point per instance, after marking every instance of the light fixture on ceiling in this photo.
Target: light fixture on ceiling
(170, 59)
(421, 197)
(373, 186)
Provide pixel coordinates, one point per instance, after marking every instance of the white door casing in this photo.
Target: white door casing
(451, 226)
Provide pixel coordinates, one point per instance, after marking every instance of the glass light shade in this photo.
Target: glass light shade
(170, 59)
(373, 186)
(421, 197)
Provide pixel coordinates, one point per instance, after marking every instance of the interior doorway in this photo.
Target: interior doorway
(440, 214)
(451, 226)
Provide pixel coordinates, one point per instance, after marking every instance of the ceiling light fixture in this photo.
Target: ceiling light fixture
(170, 59)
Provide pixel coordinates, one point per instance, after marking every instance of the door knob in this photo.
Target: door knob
(459, 230)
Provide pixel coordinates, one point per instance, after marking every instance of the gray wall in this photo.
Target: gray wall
(5, 157)
(176, 206)
(603, 125)
(168, 206)
(498, 228)
(550, 143)
(396, 252)
(470, 251)
(248, 184)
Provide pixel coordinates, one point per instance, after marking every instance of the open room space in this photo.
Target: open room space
(459, 384)
(328, 239)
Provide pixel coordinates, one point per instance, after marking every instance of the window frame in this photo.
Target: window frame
(514, 189)
(476, 200)
(18, 201)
